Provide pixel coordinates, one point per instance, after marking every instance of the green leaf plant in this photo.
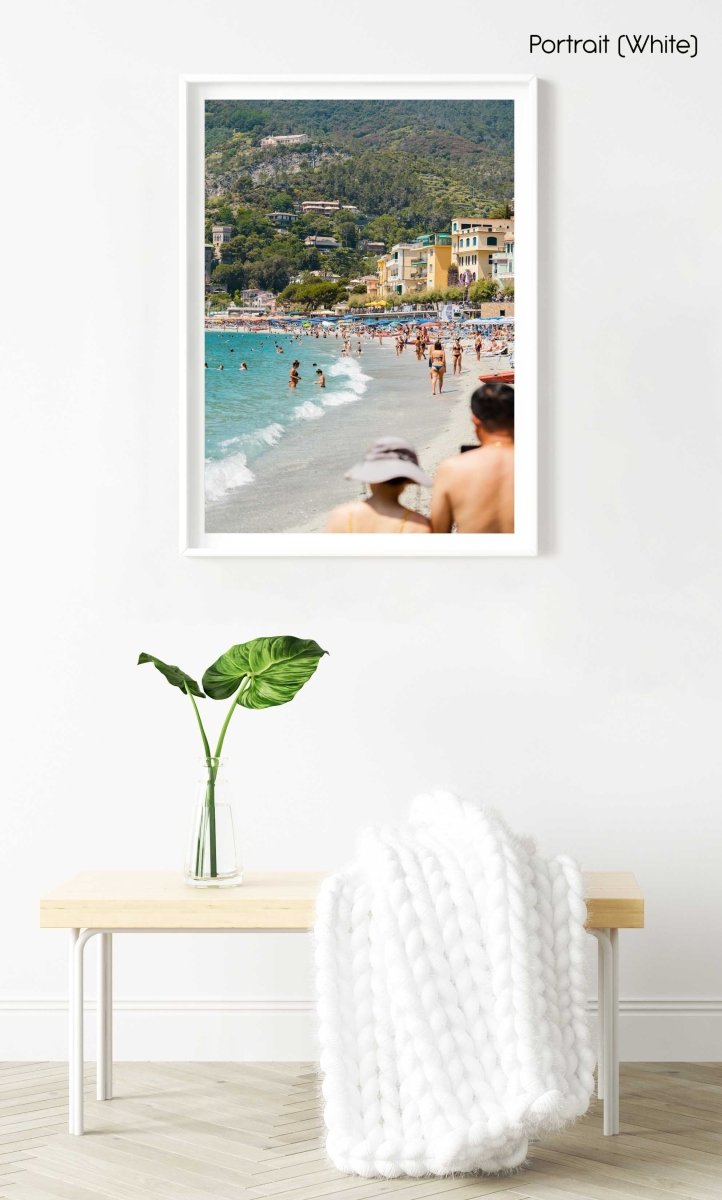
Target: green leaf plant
(262, 673)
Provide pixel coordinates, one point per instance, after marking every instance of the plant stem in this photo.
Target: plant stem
(244, 687)
(212, 764)
(206, 745)
(209, 810)
(199, 843)
(211, 806)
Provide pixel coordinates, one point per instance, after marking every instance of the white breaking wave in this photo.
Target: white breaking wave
(269, 435)
(308, 411)
(225, 474)
(348, 371)
(232, 471)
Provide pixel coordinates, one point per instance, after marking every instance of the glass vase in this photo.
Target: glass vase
(213, 859)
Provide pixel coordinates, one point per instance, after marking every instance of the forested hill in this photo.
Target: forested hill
(407, 166)
(418, 160)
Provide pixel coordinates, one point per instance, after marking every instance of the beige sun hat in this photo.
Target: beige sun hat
(389, 458)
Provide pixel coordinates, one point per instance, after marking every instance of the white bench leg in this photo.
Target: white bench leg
(104, 1073)
(600, 1020)
(78, 938)
(614, 939)
(72, 1081)
(608, 1068)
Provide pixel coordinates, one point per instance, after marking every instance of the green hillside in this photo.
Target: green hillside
(408, 166)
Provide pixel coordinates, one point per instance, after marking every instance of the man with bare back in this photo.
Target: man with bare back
(474, 492)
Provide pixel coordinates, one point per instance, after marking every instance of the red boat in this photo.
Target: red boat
(500, 377)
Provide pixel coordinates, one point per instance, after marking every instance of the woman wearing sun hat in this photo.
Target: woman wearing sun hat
(388, 467)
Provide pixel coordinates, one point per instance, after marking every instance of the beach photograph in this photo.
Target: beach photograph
(359, 318)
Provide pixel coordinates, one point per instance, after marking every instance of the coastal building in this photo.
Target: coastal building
(322, 208)
(382, 275)
(321, 243)
(240, 312)
(256, 298)
(502, 265)
(435, 251)
(495, 308)
(307, 276)
(284, 139)
(460, 226)
(364, 283)
(220, 234)
(281, 219)
(370, 247)
(407, 269)
(474, 241)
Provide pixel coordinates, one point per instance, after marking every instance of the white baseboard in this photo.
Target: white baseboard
(283, 1029)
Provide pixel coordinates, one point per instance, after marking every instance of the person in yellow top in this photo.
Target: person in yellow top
(388, 467)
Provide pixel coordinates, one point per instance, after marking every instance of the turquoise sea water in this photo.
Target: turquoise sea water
(248, 412)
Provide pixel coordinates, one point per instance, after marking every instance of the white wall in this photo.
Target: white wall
(579, 691)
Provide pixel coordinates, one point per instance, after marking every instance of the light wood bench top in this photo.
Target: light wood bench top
(281, 900)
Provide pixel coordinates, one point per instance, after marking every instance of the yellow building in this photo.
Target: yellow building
(474, 242)
(418, 266)
(382, 272)
(435, 253)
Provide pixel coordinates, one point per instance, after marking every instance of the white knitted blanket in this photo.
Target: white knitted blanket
(451, 979)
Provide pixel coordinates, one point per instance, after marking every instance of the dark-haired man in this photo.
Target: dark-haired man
(474, 492)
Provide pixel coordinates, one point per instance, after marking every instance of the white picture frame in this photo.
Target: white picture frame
(194, 91)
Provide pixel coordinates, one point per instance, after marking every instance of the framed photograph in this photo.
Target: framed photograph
(358, 316)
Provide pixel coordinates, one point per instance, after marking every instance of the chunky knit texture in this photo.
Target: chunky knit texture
(452, 998)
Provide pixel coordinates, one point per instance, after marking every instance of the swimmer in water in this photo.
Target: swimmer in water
(320, 378)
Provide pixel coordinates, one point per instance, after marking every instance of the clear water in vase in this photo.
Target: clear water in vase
(213, 858)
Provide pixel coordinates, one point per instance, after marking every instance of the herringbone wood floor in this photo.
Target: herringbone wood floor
(236, 1131)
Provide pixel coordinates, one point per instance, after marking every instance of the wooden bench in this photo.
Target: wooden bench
(108, 902)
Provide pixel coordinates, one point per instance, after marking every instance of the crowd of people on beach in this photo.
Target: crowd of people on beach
(473, 491)
(428, 348)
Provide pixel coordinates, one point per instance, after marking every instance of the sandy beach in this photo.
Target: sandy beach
(301, 479)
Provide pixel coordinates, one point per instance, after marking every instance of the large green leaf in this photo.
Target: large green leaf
(275, 669)
(174, 675)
